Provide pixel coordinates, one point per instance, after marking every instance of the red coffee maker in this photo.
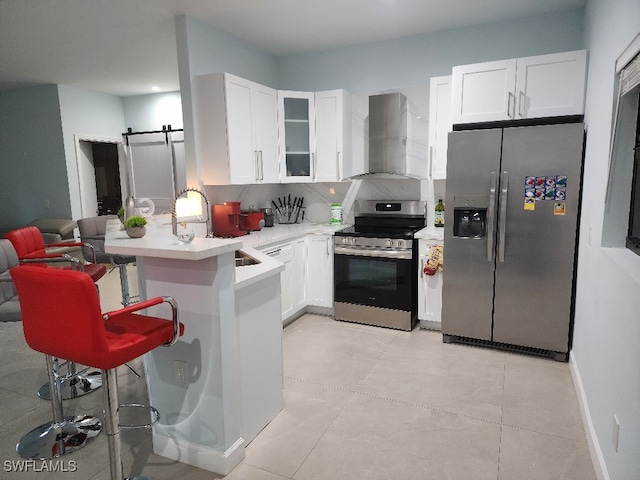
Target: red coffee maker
(226, 220)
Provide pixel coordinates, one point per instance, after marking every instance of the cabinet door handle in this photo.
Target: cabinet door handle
(338, 172)
(522, 99)
(431, 162)
(329, 243)
(256, 175)
(313, 165)
(422, 268)
(509, 112)
(261, 166)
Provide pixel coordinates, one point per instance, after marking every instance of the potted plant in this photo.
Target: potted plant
(120, 214)
(135, 227)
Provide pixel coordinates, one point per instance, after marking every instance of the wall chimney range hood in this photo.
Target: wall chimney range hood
(388, 121)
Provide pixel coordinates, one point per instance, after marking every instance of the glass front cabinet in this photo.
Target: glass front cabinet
(296, 118)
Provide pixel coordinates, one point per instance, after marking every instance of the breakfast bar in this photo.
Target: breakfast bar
(222, 382)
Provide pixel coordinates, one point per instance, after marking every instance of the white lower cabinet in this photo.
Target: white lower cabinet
(260, 354)
(319, 280)
(292, 278)
(429, 289)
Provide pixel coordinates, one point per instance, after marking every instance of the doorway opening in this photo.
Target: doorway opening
(102, 174)
(107, 178)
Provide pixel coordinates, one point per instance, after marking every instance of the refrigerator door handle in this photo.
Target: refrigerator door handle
(491, 217)
(502, 222)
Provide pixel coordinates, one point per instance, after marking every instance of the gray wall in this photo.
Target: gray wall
(32, 157)
(38, 148)
(412, 61)
(150, 112)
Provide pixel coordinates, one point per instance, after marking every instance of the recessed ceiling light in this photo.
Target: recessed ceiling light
(155, 88)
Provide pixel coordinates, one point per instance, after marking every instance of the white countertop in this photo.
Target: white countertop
(285, 232)
(160, 242)
(250, 274)
(430, 233)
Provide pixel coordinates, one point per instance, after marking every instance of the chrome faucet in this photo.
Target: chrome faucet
(174, 219)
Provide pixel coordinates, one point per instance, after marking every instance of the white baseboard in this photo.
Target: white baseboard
(199, 456)
(597, 458)
(430, 325)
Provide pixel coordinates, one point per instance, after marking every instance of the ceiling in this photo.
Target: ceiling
(124, 47)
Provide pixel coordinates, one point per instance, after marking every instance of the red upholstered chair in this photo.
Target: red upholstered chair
(29, 244)
(52, 298)
(30, 247)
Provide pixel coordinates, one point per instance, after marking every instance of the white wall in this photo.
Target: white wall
(606, 341)
(88, 114)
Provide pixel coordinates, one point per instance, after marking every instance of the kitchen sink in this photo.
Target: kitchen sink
(243, 259)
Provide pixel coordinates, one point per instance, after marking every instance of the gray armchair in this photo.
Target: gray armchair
(9, 304)
(92, 230)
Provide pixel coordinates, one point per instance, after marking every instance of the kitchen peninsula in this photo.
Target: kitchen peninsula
(222, 382)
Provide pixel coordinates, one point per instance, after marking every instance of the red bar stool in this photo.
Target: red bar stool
(30, 247)
(52, 298)
(28, 243)
(92, 231)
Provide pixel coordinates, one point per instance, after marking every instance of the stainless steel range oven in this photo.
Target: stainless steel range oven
(375, 265)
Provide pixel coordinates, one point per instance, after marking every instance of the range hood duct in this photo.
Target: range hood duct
(388, 120)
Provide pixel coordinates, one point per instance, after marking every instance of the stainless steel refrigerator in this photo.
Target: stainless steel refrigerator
(511, 219)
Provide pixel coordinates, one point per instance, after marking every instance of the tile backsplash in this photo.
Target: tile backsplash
(318, 197)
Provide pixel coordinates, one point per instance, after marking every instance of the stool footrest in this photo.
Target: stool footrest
(155, 415)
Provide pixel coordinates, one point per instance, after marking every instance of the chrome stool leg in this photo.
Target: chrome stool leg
(112, 425)
(124, 284)
(126, 297)
(63, 435)
(74, 384)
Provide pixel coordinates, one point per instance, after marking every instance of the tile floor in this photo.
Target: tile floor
(360, 403)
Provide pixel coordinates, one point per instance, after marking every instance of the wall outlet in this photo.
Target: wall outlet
(181, 373)
(615, 432)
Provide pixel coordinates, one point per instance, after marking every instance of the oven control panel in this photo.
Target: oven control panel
(374, 243)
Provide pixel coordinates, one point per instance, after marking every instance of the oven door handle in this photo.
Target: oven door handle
(364, 252)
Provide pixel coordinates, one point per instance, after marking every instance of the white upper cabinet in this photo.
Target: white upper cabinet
(236, 132)
(439, 125)
(483, 92)
(314, 136)
(296, 122)
(551, 85)
(333, 136)
(265, 133)
(247, 133)
(515, 89)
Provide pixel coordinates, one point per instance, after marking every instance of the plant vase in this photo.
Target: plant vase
(136, 232)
